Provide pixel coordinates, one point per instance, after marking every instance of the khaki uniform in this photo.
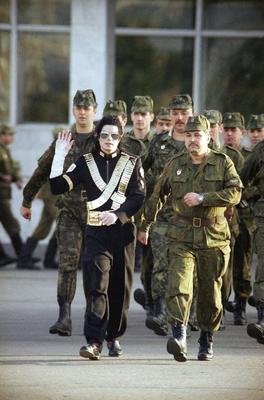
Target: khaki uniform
(71, 218)
(199, 236)
(8, 167)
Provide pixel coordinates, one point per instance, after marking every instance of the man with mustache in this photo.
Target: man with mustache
(201, 184)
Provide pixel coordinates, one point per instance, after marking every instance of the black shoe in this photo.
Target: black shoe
(63, 325)
(256, 331)
(177, 345)
(206, 346)
(252, 301)
(139, 297)
(230, 306)
(92, 351)
(114, 348)
(6, 260)
(159, 326)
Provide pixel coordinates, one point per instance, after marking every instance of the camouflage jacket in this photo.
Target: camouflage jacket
(8, 166)
(216, 178)
(71, 200)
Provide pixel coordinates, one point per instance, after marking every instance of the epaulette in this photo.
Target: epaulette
(129, 155)
(232, 149)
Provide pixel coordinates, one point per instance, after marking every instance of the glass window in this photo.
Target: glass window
(234, 14)
(4, 75)
(155, 13)
(234, 78)
(158, 67)
(43, 65)
(55, 12)
(4, 11)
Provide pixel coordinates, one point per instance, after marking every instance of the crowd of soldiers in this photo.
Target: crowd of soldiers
(201, 221)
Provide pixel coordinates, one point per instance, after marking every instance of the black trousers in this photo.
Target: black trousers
(108, 267)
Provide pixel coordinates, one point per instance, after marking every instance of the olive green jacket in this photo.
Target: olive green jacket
(8, 166)
(216, 178)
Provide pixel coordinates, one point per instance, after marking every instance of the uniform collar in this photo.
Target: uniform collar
(109, 156)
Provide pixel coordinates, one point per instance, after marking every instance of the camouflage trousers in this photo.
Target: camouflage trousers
(258, 286)
(70, 233)
(211, 264)
(159, 244)
(7, 219)
(243, 253)
(48, 216)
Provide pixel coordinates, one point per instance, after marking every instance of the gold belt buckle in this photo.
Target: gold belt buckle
(93, 218)
(197, 222)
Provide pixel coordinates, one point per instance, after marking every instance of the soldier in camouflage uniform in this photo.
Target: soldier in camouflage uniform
(253, 178)
(162, 148)
(42, 230)
(163, 121)
(255, 130)
(201, 183)
(215, 119)
(9, 173)
(71, 218)
(233, 130)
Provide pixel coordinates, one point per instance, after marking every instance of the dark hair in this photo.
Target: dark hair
(111, 120)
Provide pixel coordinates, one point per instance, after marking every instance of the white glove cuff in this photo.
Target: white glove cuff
(57, 165)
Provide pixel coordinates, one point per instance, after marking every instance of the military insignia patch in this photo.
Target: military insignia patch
(71, 168)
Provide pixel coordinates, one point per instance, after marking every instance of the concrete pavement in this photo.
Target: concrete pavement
(37, 365)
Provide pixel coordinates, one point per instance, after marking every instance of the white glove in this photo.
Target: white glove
(108, 218)
(63, 146)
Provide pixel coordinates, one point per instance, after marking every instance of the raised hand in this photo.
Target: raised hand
(64, 143)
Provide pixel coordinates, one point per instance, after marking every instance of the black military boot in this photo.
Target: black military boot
(17, 243)
(157, 322)
(25, 260)
(177, 345)
(256, 331)
(252, 301)
(206, 346)
(140, 297)
(63, 326)
(4, 258)
(240, 311)
(50, 254)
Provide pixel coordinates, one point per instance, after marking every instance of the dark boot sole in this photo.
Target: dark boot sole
(255, 332)
(174, 349)
(156, 327)
(204, 357)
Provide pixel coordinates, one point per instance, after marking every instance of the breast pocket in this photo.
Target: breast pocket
(213, 180)
(179, 184)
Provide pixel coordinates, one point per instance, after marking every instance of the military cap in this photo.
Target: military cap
(84, 98)
(181, 101)
(256, 121)
(115, 108)
(6, 129)
(233, 120)
(142, 104)
(164, 114)
(213, 116)
(197, 123)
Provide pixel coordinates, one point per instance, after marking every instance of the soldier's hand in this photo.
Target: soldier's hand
(229, 213)
(191, 199)
(143, 237)
(108, 218)
(26, 212)
(64, 143)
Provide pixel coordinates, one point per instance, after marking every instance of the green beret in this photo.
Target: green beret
(181, 101)
(213, 116)
(256, 121)
(197, 123)
(6, 129)
(84, 98)
(115, 108)
(142, 104)
(233, 120)
(164, 114)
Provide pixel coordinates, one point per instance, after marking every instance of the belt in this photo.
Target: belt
(198, 222)
(93, 218)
